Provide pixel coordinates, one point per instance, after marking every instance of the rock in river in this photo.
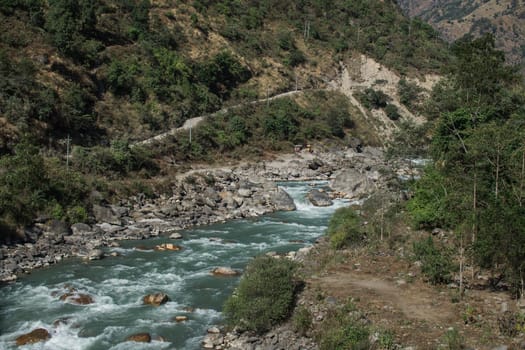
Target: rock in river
(282, 200)
(77, 298)
(140, 338)
(225, 271)
(156, 299)
(319, 199)
(167, 246)
(35, 336)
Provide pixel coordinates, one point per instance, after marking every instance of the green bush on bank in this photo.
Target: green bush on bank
(436, 262)
(264, 297)
(344, 228)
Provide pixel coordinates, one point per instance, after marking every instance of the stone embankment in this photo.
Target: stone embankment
(200, 197)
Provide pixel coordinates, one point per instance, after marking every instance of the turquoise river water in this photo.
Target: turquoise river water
(118, 284)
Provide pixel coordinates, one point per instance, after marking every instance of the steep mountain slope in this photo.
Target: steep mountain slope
(505, 19)
(83, 81)
(106, 69)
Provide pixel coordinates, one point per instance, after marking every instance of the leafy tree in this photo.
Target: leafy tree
(68, 22)
(23, 183)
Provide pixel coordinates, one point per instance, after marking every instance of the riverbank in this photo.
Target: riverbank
(199, 197)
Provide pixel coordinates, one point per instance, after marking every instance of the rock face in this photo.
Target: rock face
(35, 336)
(140, 338)
(319, 199)
(224, 271)
(156, 299)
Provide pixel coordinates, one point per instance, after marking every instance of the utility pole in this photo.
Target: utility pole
(68, 140)
(306, 33)
(190, 134)
(296, 83)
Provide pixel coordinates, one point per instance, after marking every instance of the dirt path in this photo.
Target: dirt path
(394, 296)
(412, 301)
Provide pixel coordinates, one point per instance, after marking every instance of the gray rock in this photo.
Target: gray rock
(109, 228)
(319, 199)
(281, 200)
(245, 192)
(352, 182)
(315, 164)
(80, 229)
(95, 254)
(355, 144)
(175, 235)
(105, 214)
(57, 228)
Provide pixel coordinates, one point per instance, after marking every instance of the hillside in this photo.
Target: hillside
(85, 80)
(454, 19)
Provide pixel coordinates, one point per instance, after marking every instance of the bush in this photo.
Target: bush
(409, 93)
(302, 320)
(436, 262)
(392, 112)
(264, 297)
(373, 99)
(343, 329)
(344, 228)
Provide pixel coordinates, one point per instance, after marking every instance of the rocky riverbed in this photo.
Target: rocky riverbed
(199, 197)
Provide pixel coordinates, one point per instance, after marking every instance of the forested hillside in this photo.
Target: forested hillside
(87, 78)
(504, 19)
(476, 183)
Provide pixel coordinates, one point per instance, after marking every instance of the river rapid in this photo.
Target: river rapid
(118, 284)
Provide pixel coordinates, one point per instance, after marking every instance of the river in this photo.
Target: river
(118, 284)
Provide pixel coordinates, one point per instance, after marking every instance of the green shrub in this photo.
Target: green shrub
(344, 228)
(409, 93)
(392, 112)
(436, 262)
(77, 214)
(343, 329)
(453, 340)
(373, 99)
(302, 320)
(264, 297)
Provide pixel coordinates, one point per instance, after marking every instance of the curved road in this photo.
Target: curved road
(193, 122)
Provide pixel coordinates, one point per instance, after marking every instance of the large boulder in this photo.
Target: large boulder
(57, 228)
(81, 229)
(352, 182)
(35, 336)
(282, 200)
(156, 299)
(106, 215)
(95, 254)
(319, 198)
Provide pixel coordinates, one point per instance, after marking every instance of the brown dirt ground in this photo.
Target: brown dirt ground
(394, 296)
